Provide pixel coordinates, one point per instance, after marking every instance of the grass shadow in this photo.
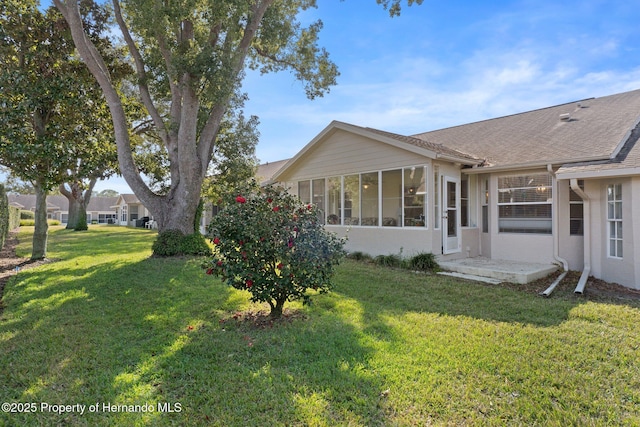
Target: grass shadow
(426, 293)
(92, 329)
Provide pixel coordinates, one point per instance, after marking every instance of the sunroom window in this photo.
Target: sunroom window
(391, 198)
(369, 194)
(524, 203)
(415, 191)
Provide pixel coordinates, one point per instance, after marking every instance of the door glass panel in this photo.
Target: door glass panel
(452, 217)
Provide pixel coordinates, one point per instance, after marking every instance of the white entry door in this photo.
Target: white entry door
(451, 239)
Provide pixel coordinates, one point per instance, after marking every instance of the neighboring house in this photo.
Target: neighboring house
(99, 209)
(554, 185)
(129, 210)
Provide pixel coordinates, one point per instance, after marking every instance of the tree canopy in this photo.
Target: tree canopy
(54, 125)
(190, 57)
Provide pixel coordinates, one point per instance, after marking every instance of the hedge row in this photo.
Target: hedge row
(9, 217)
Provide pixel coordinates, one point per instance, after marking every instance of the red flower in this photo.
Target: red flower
(241, 242)
(269, 200)
(279, 266)
(216, 241)
(308, 207)
(219, 263)
(276, 208)
(290, 244)
(240, 199)
(210, 271)
(249, 283)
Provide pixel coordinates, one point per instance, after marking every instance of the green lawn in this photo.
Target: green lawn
(107, 325)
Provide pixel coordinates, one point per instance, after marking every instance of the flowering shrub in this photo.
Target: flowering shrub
(268, 243)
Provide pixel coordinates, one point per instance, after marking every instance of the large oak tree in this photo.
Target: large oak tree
(190, 57)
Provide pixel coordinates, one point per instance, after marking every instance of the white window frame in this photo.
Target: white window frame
(575, 199)
(614, 221)
(379, 174)
(527, 224)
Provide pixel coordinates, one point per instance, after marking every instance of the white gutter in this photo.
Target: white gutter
(555, 234)
(587, 236)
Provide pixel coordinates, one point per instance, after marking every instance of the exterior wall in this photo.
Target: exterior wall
(483, 194)
(618, 270)
(385, 240)
(635, 235)
(344, 153)
(571, 247)
(536, 248)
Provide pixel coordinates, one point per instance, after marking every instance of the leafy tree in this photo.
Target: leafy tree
(51, 128)
(234, 159)
(107, 193)
(190, 57)
(13, 184)
(271, 244)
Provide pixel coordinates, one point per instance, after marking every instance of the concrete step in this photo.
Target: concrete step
(502, 270)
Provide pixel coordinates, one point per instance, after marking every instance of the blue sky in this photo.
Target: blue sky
(446, 63)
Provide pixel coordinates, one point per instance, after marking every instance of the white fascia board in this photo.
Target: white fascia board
(600, 173)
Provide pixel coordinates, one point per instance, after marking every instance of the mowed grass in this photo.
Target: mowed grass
(108, 325)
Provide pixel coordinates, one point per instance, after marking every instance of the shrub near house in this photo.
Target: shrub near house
(274, 246)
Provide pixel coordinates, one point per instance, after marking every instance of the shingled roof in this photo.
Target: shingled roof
(586, 130)
(60, 203)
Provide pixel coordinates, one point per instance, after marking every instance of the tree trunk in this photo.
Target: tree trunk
(78, 202)
(276, 310)
(74, 212)
(177, 210)
(41, 232)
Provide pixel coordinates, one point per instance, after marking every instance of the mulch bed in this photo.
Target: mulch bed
(595, 289)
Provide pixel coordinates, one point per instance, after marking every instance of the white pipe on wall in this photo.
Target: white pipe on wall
(587, 236)
(555, 233)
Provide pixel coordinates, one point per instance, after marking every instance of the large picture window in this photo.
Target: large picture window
(614, 219)
(352, 200)
(334, 201)
(369, 192)
(304, 191)
(415, 192)
(392, 198)
(524, 203)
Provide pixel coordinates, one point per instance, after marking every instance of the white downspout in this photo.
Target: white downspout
(587, 236)
(555, 234)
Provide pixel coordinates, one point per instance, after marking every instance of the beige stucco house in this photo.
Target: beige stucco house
(555, 185)
(99, 210)
(129, 210)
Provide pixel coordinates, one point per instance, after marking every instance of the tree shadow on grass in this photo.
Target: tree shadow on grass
(303, 371)
(381, 289)
(69, 337)
(152, 332)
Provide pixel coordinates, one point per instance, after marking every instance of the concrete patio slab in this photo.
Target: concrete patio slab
(501, 270)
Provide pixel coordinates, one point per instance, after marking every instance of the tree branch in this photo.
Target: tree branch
(212, 126)
(97, 66)
(142, 75)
